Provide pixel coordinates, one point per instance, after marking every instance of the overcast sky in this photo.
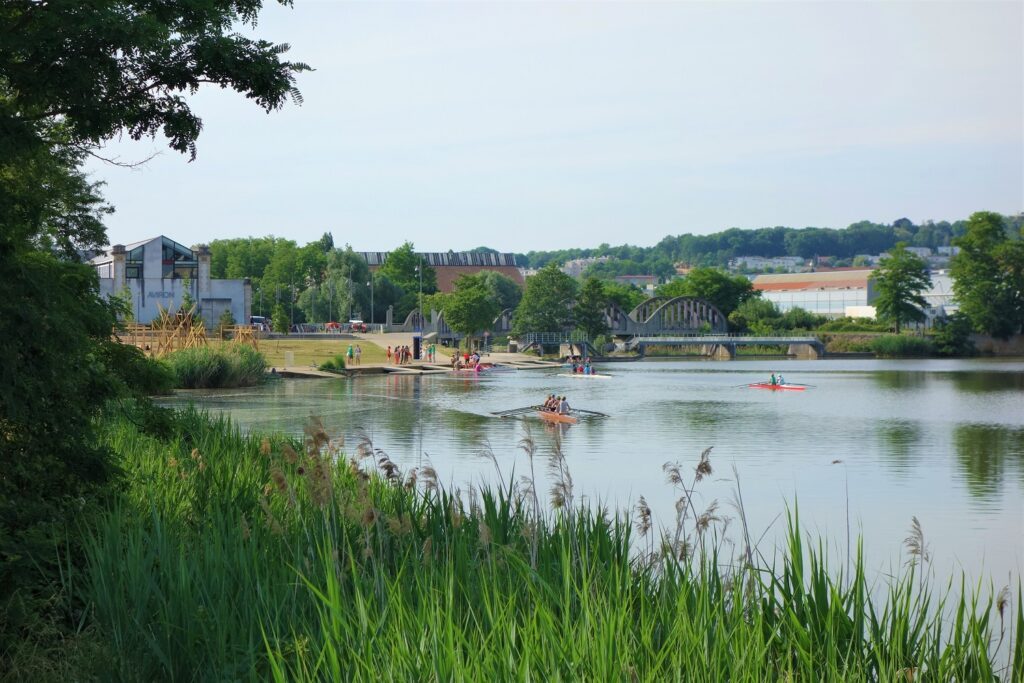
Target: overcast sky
(542, 125)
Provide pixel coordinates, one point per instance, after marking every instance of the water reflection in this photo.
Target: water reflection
(985, 452)
(985, 382)
(901, 380)
(899, 440)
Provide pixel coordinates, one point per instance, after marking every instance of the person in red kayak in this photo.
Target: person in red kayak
(773, 382)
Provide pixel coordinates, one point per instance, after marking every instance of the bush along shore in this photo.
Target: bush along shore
(232, 557)
(206, 367)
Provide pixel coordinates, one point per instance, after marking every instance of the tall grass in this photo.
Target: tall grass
(901, 346)
(232, 557)
(212, 368)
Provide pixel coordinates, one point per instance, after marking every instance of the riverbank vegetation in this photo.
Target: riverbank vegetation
(207, 367)
(227, 556)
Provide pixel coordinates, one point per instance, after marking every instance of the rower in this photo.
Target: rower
(563, 406)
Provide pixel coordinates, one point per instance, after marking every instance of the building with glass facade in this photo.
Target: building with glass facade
(158, 270)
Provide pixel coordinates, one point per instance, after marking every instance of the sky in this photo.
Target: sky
(546, 125)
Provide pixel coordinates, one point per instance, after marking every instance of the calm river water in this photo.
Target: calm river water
(940, 440)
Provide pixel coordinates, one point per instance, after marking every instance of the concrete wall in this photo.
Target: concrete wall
(148, 292)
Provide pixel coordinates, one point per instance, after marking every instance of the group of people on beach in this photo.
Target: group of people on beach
(402, 355)
(557, 404)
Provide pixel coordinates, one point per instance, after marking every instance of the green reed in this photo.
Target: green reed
(231, 557)
(206, 367)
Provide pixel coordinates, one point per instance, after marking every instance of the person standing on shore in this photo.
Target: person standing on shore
(359, 355)
(388, 354)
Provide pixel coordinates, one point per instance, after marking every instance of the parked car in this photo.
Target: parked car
(259, 323)
(357, 326)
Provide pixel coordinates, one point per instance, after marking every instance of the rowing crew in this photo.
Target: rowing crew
(557, 404)
(776, 381)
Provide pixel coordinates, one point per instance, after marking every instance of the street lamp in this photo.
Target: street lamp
(419, 269)
(370, 285)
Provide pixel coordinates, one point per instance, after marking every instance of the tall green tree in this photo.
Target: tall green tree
(547, 302)
(402, 268)
(72, 75)
(900, 279)
(988, 276)
(504, 291)
(471, 306)
(589, 310)
(625, 296)
(725, 291)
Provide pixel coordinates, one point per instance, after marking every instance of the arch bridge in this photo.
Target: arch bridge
(666, 315)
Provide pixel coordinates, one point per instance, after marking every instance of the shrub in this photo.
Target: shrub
(900, 346)
(210, 368)
(336, 364)
(953, 337)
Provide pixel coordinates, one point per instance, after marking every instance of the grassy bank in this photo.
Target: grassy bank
(240, 558)
(313, 352)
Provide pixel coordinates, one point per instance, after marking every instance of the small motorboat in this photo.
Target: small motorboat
(551, 416)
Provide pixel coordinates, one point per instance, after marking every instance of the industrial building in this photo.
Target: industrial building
(451, 265)
(834, 293)
(158, 270)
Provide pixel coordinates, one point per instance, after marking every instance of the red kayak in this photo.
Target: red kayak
(783, 387)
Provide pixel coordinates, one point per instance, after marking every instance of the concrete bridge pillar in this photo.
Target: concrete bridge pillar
(723, 351)
(805, 351)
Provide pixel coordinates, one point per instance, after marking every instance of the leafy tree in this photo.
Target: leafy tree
(471, 307)
(100, 68)
(504, 291)
(402, 268)
(988, 276)
(625, 296)
(755, 313)
(953, 336)
(589, 310)
(72, 75)
(726, 292)
(279, 318)
(900, 279)
(546, 302)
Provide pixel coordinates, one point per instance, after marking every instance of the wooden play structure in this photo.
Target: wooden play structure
(168, 333)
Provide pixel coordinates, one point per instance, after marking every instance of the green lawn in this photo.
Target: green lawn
(315, 351)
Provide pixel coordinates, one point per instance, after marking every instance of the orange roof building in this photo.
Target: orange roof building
(834, 293)
(451, 265)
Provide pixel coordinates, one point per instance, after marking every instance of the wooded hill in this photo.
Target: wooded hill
(864, 237)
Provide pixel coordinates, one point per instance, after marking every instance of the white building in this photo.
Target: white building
(156, 271)
(832, 293)
(575, 267)
(790, 263)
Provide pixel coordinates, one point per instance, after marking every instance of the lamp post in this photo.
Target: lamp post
(370, 285)
(419, 269)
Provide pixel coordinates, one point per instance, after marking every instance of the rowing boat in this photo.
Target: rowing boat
(581, 374)
(556, 417)
(776, 387)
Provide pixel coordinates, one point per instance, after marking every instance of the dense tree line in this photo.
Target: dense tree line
(318, 282)
(718, 248)
(73, 75)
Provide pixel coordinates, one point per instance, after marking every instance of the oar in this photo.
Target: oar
(797, 384)
(517, 411)
(588, 412)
